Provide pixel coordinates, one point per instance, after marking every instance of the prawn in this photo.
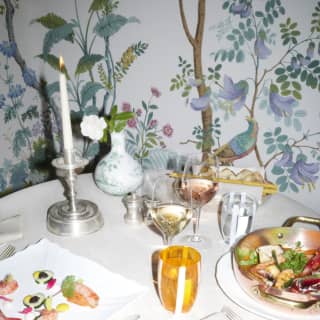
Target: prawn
(8, 285)
(84, 296)
(46, 314)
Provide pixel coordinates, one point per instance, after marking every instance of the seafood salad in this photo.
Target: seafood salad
(290, 274)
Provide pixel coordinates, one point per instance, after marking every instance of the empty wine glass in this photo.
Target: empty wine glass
(200, 179)
(169, 212)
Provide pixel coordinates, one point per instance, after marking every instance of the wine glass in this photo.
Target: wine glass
(200, 182)
(169, 212)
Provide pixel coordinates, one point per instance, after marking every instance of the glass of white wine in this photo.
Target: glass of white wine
(200, 182)
(170, 212)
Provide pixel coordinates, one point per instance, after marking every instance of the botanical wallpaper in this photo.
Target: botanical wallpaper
(244, 32)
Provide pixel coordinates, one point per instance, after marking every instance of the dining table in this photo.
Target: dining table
(128, 249)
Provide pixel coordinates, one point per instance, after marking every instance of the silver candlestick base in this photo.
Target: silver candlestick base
(72, 217)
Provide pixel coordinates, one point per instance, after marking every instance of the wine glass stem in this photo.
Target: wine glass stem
(167, 240)
(196, 236)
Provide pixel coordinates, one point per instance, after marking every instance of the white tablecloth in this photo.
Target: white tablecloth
(127, 249)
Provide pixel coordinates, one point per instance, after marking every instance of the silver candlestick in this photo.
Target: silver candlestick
(72, 217)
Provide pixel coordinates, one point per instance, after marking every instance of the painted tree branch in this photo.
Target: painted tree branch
(196, 43)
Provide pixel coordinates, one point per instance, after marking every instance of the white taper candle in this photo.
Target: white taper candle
(65, 113)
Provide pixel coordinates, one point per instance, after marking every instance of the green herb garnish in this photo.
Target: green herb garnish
(246, 257)
(295, 261)
(68, 286)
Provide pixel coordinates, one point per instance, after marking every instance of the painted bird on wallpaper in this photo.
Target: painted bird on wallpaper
(240, 145)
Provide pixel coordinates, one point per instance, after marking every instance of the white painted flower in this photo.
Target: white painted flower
(92, 126)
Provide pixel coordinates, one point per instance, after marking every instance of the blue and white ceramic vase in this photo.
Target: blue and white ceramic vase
(118, 173)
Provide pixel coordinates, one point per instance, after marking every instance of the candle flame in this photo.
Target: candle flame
(61, 63)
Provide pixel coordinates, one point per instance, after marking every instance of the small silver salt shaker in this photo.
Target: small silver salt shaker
(134, 206)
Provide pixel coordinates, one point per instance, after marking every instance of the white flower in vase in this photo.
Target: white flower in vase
(93, 127)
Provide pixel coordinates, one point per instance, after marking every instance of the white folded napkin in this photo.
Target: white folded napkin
(10, 229)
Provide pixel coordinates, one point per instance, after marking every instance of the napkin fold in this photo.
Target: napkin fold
(11, 229)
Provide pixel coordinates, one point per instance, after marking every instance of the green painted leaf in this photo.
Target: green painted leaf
(303, 75)
(280, 71)
(313, 64)
(297, 95)
(56, 35)
(282, 138)
(88, 91)
(285, 85)
(271, 149)
(53, 61)
(282, 78)
(294, 188)
(267, 134)
(87, 62)
(296, 85)
(97, 5)
(300, 113)
(269, 141)
(283, 187)
(225, 5)
(297, 124)
(277, 131)
(19, 175)
(231, 55)
(277, 170)
(259, 14)
(50, 21)
(231, 37)
(281, 180)
(240, 56)
(109, 25)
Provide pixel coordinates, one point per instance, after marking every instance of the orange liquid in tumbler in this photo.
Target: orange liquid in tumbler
(169, 283)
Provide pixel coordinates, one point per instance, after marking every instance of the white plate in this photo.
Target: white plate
(229, 285)
(114, 290)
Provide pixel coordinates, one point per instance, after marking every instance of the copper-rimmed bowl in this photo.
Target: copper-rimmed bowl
(287, 237)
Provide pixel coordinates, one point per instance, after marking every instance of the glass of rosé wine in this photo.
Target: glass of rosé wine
(199, 182)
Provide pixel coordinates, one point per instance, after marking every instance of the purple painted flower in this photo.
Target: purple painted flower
(8, 49)
(167, 130)
(37, 129)
(286, 160)
(281, 106)
(2, 100)
(126, 107)
(153, 123)
(16, 91)
(303, 172)
(243, 9)
(155, 92)
(194, 82)
(201, 103)
(294, 63)
(236, 93)
(132, 123)
(139, 112)
(260, 48)
(310, 50)
(29, 77)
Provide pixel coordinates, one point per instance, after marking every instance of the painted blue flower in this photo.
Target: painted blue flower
(294, 63)
(303, 172)
(2, 100)
(16, 91)
(235, 92)
(243, 9)
(260, 49)
(281, 106)
(286, 160)
(29, 77)
(200, 103)
(8, 49)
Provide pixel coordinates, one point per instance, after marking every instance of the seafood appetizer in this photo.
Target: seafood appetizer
(289, 275)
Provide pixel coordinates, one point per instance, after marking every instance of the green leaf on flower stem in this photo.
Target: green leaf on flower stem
(280, 71)
(124, 115)
(88, 91)
(277, 170)
(282, 78)
(303, 75)
(240, 56)
(259, 14)
(313, 64)
(120, 125)
(282, 138)
(277, 131)
(87, 62)
(283, 187)
(271, 149)
(269, 141)
(267, 134)
(297, 95)
(281, 180)
(293, 187)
